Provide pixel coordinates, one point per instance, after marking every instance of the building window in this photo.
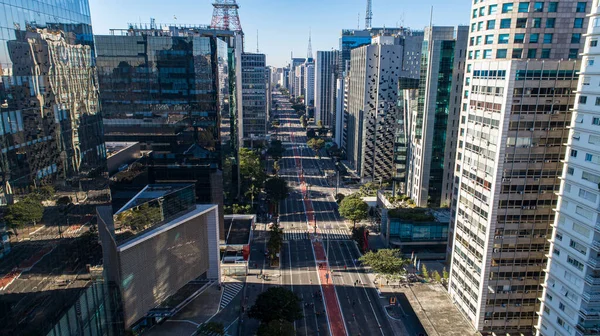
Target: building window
(477, 54)
(593, 42)
(491, 24)
(596, 120)
(492, 9)
(478, 40)
(582, 99)
(573, 153)
(470, 54)
(471, 41)
(474, 13)
(576, 38)
(578, 23)
(521, 23)
(482, 11)
(590, 61)
(570, 171)
(545, 53)
(597, 104)
(550, 22)
(501, 53)
(487, 54)
(517, 53)
(473, 27)
(577, 247)
(503, 38)
(469, 67)
(507, 7)
(553, 7)
(523, 7)
(531, 53)
(489, 39)
(581, 7)
(573, 53)
(538, 6)
(479, 26)
(504, 23)
(548, 38)
(519, 38)
(537, 23)
(576, 263)
(589, 196)
(534, 38)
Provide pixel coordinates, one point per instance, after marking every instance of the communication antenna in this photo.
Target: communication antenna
(369, 14)
(257, 50)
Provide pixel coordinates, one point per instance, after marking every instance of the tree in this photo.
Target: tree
(275, 240)
(316, 145)
(303, 121)
(358, 235)
(46, 192)
(276, 150)
(387, 262)
(436, 276)
(277, 190)
(251, 171)
(276, 328)
(339, 198)
(354, 209)
(319, 124)
(276, 303)
(445, 274)
(276, 167)
(424, 272)
(27, 211)
(211, 328)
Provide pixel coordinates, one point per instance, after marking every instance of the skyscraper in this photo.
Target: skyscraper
(325, 87)
(521, 74)
(51, 134)
(432, 116)
(309, 84)
(570, 302)
(254, 98)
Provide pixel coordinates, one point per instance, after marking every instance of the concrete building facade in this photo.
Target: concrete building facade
(521, 72)
(309, 84)
(570, 301)
(254, 97)
(325, 87)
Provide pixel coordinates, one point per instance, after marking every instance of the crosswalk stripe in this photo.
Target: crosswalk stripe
(230, 291)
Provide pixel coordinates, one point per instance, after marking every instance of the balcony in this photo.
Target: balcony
(590, 297)
(592, 280)
(593, 262)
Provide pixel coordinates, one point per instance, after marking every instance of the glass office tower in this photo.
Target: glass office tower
(51, 134)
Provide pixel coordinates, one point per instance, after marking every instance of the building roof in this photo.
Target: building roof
(151, 192)
(113, 148)
(238, 228)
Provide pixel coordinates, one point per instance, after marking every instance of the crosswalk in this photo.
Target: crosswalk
(295, 234)
(331, 234)
(229, 292)
(335, 234)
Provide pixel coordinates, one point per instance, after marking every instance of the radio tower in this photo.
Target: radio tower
(369, 15)
(309, 54)
(225, 15)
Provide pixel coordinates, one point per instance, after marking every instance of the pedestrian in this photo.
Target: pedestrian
(345, 267)
(353, 303)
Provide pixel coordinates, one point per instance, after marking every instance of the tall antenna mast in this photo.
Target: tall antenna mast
(369, 14)
(257, 50)
(358, 21)
(225, 15)
(309, 54)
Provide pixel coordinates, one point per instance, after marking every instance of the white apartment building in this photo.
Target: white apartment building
(309, 84)
(521, 73)
(325, 87)
(571, 299)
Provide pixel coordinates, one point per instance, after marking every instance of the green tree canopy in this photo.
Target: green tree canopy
(354, 209)
(28, 210)
(275, 240)
(387, 262)
(276, 328)
(46, 192)
(276, 303)
(277, 189)
(276, 150)
(316, 144)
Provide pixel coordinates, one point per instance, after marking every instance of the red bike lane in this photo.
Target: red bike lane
(332, 304)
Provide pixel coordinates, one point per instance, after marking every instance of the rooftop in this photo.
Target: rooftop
(238, 228)
(113, 148)
(151, 192)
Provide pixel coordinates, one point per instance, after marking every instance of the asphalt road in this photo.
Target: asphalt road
(361, 309)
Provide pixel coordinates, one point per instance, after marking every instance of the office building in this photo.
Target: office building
(375, 71)
(157, 243)
(51, 134)
(325, 87)
(432, 117)
(309, 84)
(521, 74)
(254, 98)
(571, 300)
(295, 77)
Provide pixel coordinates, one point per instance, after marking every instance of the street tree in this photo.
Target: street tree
(277, 190)
(358, 235)
(276, 304)
(275, 240)
(436, 276)
(46, 192)
(339, 197)
(445, 274)
(211, 328)
(276, 167)
(354, 209)
(424, 272)
(386, 262)
(316, 145)
(276, 328)
(303, 121)
(251, 171)
(276, 150)
(28, 210)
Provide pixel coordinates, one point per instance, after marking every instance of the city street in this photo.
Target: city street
(355, 294)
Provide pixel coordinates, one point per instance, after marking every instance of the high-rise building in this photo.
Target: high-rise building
(309, 84)
(570, 301)
(51, 134)
(432, 116)
(295, 77)
(521, 73)
(254, 98)
(375, 70)
(325, 87)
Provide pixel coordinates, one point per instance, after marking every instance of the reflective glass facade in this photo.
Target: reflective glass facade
(50, 124)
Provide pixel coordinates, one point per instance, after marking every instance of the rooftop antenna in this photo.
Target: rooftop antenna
(309, 54)
(358, 22)
(225, 15)
(257, 50)
(369, 14)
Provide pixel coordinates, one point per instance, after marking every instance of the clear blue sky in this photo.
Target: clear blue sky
(283, 25)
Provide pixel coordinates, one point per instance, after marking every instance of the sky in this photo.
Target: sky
(283, 25)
